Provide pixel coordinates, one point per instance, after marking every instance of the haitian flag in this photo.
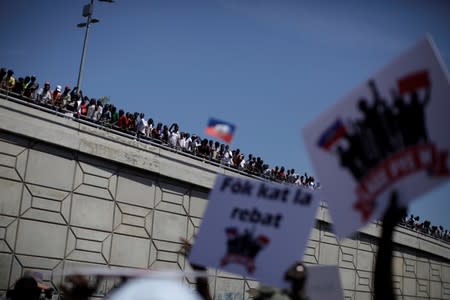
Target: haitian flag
(220, 129)
(331, 135)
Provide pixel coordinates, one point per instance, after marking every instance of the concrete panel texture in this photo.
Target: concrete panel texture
(61, 206)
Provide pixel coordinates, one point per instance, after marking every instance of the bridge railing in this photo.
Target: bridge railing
(13, 97)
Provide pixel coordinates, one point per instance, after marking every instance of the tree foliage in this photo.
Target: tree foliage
(104, 100)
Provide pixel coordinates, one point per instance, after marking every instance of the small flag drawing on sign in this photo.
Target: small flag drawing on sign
(220, 129)
(331, 135)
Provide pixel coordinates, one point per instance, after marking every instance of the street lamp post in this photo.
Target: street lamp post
(88, 10)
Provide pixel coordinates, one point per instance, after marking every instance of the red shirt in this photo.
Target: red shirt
(84, 109)
(122, 122)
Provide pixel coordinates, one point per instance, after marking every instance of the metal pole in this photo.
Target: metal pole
(80, 72)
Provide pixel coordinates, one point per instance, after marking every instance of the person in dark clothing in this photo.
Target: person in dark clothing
(369, 123)
(174, 127)
(404, 123)
(31, 88)
(156, 132)
(26, 288)
(386, 120)
(2, 75)
(204, 150)
(75, 100)
(78, 287)
(417, 113)
(349, 160)
(165, 134)
(362, 152)
(25, 84)
(383, 283)
(18, 87)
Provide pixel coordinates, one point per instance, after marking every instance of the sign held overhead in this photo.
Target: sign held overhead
(253, 228)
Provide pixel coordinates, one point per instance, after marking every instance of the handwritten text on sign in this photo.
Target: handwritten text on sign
(254, 228)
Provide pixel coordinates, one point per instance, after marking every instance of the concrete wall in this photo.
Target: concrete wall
(72, 195)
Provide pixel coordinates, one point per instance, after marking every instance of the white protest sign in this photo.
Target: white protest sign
(390, 133)
(254, 228)
(323, 283)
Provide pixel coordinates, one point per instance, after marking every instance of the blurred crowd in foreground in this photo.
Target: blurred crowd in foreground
(78, 287)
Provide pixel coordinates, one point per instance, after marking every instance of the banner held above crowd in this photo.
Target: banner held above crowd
(387, 134)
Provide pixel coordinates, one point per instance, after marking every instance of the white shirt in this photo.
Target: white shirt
(142, 125)
(174, 138)
(197, 143)
(44, 97)
(188, 146)
(183, 143)
(227, 157)
(242, 164)
(91, 111)
(98, 113)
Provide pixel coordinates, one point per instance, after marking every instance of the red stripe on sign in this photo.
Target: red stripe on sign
(413, 82)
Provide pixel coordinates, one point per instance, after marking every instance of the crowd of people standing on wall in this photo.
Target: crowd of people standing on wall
(425, 227)
(72, 101)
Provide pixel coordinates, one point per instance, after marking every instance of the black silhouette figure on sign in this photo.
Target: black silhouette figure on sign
(383, 129)
(243, 248)
(387, 142)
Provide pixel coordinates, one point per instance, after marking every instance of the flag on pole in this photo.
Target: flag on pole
(220, 129)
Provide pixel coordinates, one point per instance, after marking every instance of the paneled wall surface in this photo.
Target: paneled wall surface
(59, 209)
(417, 274)
(63, 205)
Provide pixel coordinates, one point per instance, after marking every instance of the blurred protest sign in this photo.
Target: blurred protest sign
(254, 228)
(389, 133)
(323, 283)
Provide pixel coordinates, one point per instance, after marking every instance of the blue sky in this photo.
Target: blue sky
(268, 66)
